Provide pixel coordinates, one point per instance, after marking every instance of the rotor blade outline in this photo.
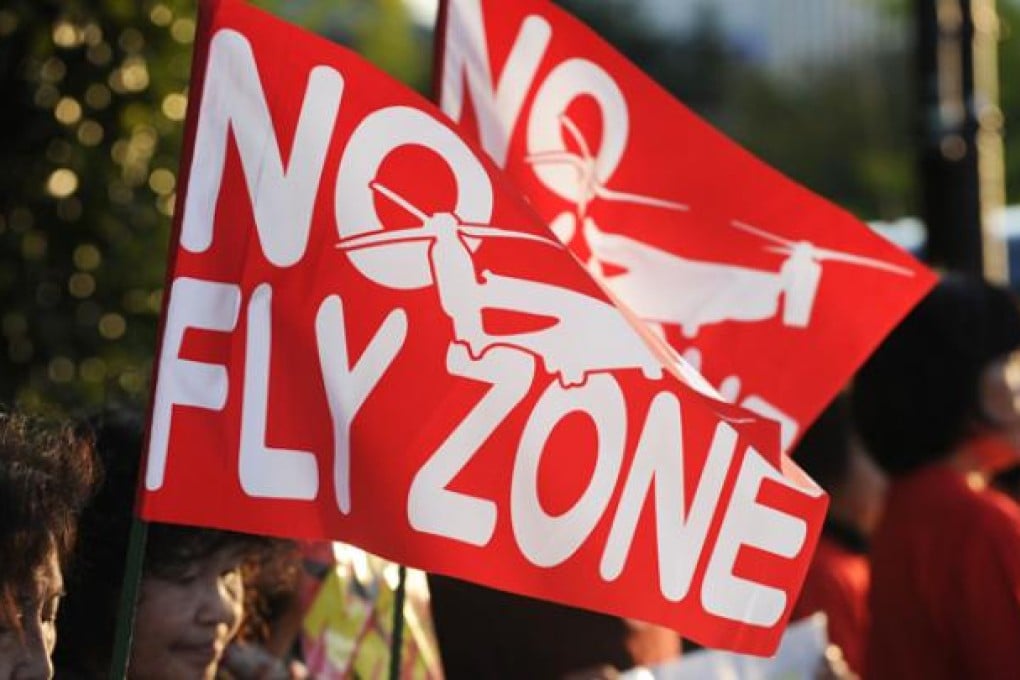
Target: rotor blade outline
(820, 254)
(586, 166)
(614, 196)
(823, 254)
(761, 233)
(488, 231)
(557, 158)
(575, 132)
(399, 200)
(384, 237)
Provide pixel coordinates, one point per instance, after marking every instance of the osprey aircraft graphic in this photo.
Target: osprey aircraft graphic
(713, 292)
(464, 295)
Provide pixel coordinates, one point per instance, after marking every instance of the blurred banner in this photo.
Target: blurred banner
(775, 294)
(348, 596)
(369, 336)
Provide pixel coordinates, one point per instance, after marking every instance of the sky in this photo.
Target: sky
(423, 11)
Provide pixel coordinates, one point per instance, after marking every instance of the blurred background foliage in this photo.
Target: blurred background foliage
(94, 96)
(95, 93)
(843, 127)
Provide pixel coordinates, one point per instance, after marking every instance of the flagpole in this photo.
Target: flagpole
(128, 599)
(397, 640)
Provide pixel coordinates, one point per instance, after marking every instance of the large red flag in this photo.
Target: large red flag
(369, 336)
(775, 293)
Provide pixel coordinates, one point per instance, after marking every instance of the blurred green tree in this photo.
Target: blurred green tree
(842, 127)
(89, 136)
(844, 130)
(380, 30)
(95, 94)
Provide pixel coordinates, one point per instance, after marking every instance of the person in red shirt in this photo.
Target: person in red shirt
(838, 579)
(945, 591)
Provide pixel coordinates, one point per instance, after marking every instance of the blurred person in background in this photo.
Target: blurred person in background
(1008, 482)
(839, 577)
(197, 593)
(46, 475)
(486, 633)
(938, 395)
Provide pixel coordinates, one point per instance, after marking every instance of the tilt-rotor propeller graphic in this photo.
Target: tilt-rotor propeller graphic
(789, 247)
(586, 165)
(431, 227)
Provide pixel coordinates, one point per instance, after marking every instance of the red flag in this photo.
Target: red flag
(369, 336)
(775, 293)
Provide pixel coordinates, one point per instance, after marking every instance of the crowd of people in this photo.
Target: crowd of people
(200, 591)
(919, 565)
(917, 570)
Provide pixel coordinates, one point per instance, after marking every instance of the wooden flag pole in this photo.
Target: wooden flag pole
(397, 639)
(128, 599)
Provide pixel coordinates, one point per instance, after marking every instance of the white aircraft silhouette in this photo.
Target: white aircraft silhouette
(588, 335)
(590, 186)
(665, 288)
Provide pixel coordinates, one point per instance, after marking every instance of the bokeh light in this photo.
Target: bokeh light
(62, 182)
(162, 181)
(183, 30)
(67, 35)
(67, 111)
(90, 133)
(112, 326)
(87, 257)
(61, 370)
(175, 106)
(81, 285)
(161, 15)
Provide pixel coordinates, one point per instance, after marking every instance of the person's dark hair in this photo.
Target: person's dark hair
(171, 549)
(88, 615)
(918, 397)
(824, 450)
(1008, 482)
(46, 475)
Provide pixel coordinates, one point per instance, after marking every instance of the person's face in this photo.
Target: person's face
(863, 491)
(184, 623)
(1000, 397)
(27, 656)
